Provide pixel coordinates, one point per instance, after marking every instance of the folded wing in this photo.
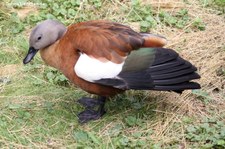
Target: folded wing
(114, 55)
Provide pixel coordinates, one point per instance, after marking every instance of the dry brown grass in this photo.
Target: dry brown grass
(206, 50)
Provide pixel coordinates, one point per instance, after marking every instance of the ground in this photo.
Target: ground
(38, 105)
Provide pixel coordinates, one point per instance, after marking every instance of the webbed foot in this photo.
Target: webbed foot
(90, 113)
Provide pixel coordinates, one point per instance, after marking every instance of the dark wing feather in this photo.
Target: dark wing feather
(165, 71)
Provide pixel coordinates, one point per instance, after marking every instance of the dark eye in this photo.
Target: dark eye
(39, 38)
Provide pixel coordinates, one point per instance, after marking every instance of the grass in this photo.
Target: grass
(217, 4)
(38, 104)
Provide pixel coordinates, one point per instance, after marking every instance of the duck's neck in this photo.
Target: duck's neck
(51, 55)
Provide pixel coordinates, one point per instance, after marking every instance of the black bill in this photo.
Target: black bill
(31, 53)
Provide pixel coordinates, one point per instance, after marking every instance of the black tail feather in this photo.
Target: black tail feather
(173, 75)
(167, 65)
(178, 87)
(184, 78)
(174, 69)
(162, 57)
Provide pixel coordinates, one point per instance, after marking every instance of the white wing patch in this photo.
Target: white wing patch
(91, 69)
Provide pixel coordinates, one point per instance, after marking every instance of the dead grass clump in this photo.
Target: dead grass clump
(10, 69)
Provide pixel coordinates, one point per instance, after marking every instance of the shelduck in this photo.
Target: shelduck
(107, 58)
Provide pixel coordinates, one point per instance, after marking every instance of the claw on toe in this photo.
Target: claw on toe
(89, 115)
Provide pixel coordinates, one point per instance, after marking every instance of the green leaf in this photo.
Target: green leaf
(74, 2)
(131, 120)
(50, 75)
(80, 135)
(182, 12)
(62, 78)
(187, 119)
(141, 143)
(71, 12)
(38, 82)
(222, 132)
(180, 24)
(207, 146)
(14, 106)
(116, 130)
(137, 134)
(93, 138)
(148, 23)
(124, 141)
(221, 142)
(55, 6)
(145, 24)
(137, 105)
(135, 2)
(205, 126)
(66, 4)
(78, 2)
(191, 129)
(151, 20)
(198, 23)
(18, 3)
(50, 16)
(27, 115)
(63, 11)
(48, 105)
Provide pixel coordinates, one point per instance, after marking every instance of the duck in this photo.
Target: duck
(106, 58)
